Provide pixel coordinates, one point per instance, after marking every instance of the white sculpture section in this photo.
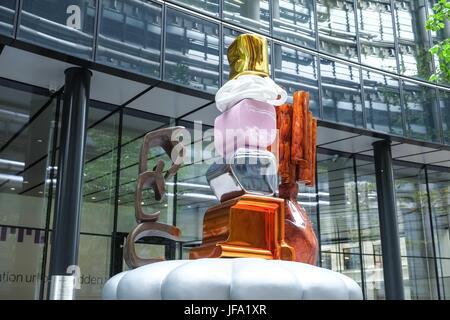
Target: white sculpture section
(230, 279)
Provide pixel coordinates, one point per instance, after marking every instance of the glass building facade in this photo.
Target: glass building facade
(364, 63)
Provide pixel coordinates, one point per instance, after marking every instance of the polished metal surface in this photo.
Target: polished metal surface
(249, 171)
(248, 54)
(62, 287)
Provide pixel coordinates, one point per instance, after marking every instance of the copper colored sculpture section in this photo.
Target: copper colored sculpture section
(248, 226)
(155, 179)
(299, 232)
(297, 148)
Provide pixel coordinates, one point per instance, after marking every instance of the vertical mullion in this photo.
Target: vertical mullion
(317, 57)
(361, 81)
(358, 215)
(432, 231)
(163, 41)
(221, 47)
(175, 191)
(116, 195)
(17, 18)
(96, 29)
(318, 217)
(49, 198)
(397, 58)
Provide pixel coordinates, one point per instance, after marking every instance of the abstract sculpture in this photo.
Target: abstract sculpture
(267, 147)
(250, 221)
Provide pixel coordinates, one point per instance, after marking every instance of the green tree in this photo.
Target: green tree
(441, 50)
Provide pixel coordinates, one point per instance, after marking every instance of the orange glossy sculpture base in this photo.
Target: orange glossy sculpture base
(247, 226)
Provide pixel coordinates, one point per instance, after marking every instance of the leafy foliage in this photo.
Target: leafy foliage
(441, 49)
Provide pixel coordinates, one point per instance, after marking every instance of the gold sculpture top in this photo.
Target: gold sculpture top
(248, 54)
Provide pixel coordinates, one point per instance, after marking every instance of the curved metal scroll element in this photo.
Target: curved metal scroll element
(155, 179)
(147, 229)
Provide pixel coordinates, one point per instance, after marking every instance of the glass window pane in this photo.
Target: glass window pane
(439, 187)
(444, 104)
(337, 204)
(337, 32)
(307, 198)
(337, 262)
(130, 36)
(373, 275)
(368, 208)
(63, 25)
(413, 39)
(421, 110)
(254, 14)
(192, 51)
(94, 259)
(21, 251)
(7, 12)
(194, 196)
(293, 21)
(23, 167)
(204, 6)
(444, 278)
(296, 70)
(341, 93)
(419, 278)
(100, 176)
(376, 34)
(412, 212)
(382, 103)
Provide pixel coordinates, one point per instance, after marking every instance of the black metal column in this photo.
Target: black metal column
(68, 197)
(390, 242)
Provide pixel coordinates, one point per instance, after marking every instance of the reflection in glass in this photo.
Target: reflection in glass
(204, 6)
(254, 14)
(341, 93)
(444, 278)
(25, 180)
(94, 259)
(368, 208)
(100, 175)
(296, 70)
(439, 193)
(23, 168)
(419, 278)
(338, 215)
(373, 275)
(63, 25)
(192, 51)
(370, 230)
(337, 32)
(421, 110)
(444, 104)
(376, 34)
(21, 252)
(130, 36)
(412, 211)
(7, 12)
(194, 196)
(382, 102)
(293, 21)
(413, 38)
